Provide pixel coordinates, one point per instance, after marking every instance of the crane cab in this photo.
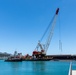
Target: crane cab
(38, 54)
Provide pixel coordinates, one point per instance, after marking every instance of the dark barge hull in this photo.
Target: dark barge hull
(47, 58)
(62, 57)
(37, 59)
(15, 60)
(54, 58)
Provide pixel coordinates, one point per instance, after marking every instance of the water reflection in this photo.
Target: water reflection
(34, 68)
(39, 66)
(15, 67)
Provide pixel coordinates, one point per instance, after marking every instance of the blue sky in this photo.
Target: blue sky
(23, 22)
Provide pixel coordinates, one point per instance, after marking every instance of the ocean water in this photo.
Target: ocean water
(35, 68)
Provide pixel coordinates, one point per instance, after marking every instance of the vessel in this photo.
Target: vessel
(13, 60)
(17, 57)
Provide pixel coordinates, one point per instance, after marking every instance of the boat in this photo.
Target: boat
(39, 54)
(13, 59)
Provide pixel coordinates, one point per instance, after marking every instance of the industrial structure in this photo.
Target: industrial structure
(40, 52)
(44, 47)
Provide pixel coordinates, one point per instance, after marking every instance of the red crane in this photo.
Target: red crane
(44, 47)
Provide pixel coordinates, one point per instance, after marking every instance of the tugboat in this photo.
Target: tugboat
(15, 58)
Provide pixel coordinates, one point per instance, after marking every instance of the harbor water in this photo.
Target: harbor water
(35, 68)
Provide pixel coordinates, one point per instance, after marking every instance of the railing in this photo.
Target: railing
(70, 69)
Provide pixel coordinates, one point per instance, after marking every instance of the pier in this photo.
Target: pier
(71, 72)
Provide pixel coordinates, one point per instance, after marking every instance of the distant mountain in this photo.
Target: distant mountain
(4, 54)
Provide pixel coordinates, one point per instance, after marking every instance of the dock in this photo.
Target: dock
(71, 72)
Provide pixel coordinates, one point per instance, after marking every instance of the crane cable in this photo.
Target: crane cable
(60, 42)
(45, 33)
(47, 29)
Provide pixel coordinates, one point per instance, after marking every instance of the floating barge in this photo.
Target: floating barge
(45, 58)
(52, 57)
(61, 57)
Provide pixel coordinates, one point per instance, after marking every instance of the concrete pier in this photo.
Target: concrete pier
(71, 72)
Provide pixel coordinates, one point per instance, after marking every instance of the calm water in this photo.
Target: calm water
(35, 68)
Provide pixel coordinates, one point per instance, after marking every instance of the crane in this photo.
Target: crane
(44, 47)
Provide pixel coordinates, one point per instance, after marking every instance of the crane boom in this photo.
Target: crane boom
(51, 31)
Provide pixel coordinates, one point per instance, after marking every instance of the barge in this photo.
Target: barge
(51, 58)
